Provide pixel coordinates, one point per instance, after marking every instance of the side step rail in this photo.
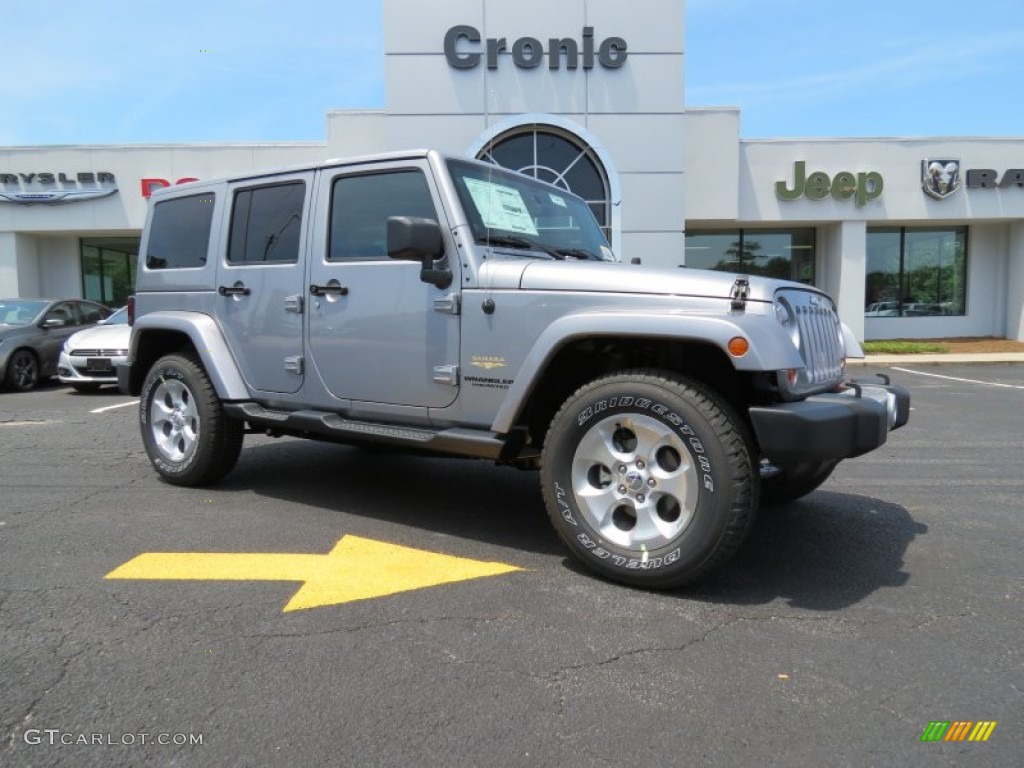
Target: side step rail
(330, 426)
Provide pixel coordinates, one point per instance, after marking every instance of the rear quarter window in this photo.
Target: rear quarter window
(179, 232)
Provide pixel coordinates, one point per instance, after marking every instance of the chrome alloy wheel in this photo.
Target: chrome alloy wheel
(173, 419)
(635, 481)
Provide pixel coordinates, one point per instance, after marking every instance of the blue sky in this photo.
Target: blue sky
(114, 71)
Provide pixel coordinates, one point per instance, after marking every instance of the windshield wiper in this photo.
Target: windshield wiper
(520, 242)
(580, 253)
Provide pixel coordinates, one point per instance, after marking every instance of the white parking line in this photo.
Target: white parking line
(957, 378)
(112, 407)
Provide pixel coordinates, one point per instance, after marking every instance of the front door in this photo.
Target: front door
(260, 280)
(377, 333)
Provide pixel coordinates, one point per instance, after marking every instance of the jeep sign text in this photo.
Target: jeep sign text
(817, 186)
(461, 51)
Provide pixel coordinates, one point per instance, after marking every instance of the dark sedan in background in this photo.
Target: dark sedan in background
(32, 332)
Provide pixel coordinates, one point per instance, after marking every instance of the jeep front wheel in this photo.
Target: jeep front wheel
(188, 438)
(648, 479)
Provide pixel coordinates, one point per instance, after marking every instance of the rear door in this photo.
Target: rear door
(261, 276)
(377, 333)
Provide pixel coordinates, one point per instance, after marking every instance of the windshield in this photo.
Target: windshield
(118, 318)
(19, 311)
(514, 211)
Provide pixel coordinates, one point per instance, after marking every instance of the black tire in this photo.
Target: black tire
(22, 371)
(187, 436)
(792, 483)
(648, 479)
(85, 388)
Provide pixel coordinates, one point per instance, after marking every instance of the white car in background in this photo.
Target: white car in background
(89, 357)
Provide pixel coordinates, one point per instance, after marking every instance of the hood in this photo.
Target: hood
(102, 337)
(634, 278)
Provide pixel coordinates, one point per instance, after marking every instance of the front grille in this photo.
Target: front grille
(819, 343)
(99, 352)
(815, 329)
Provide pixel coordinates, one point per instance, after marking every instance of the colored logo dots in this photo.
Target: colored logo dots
(958, 730)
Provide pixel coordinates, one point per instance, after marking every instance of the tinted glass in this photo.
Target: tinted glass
(516, 152)
(361, 206)
(882, 279)
(92, 313)
(19, 311)
(118, 318)
(548, 155)
(108, 268)
(934, 272)
(916, 272)
(500, 204)
(713, 250)
(179, 234)
(265, 224)
(64, 312)
(784, 254)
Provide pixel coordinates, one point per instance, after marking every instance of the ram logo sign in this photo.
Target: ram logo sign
(940, 178)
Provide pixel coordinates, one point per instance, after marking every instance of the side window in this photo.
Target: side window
(64, 312)
(179, 233)
(91, 313)
(265, 224)
(361, 205)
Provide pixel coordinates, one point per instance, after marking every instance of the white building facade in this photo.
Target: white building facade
(915, 237)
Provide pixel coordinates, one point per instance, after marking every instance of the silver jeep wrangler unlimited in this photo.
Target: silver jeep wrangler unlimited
(437, 304)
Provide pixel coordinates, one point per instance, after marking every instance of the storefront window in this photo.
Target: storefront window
(108, 268)
(787, 254)
(916, 272)
(558, 158)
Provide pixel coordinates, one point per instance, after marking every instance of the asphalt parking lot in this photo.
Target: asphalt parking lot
(889, 599)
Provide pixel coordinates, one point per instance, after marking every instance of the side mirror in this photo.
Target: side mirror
(53, 322)
(411, 238)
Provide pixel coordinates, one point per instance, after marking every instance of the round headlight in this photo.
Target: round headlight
(786, 316)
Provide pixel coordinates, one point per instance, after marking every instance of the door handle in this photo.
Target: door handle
(233, 290)
(323, 290)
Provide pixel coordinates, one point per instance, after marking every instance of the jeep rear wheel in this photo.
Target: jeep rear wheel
(189, 439)
(648, 479)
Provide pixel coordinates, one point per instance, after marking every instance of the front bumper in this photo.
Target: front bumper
(74, 369)
(831, 426)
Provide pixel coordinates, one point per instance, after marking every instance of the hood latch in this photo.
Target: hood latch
(740, 291)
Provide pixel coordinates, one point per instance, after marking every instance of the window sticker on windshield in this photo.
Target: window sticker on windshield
(501, 207)
(556, 199)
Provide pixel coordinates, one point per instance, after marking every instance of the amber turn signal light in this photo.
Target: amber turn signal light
(738, 346)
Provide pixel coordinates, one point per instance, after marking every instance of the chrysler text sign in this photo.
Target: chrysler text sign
(48, 188)
(463, 50)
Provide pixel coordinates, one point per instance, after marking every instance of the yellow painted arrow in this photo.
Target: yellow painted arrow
(356, 569)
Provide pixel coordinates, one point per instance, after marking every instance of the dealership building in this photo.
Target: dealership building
(915, 237)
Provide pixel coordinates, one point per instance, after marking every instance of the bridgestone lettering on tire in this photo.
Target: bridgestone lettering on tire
(648, 478)
(188, 438)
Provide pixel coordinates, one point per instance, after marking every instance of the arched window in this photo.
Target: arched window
(557, 157)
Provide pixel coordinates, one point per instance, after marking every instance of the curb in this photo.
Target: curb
(963, 358)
